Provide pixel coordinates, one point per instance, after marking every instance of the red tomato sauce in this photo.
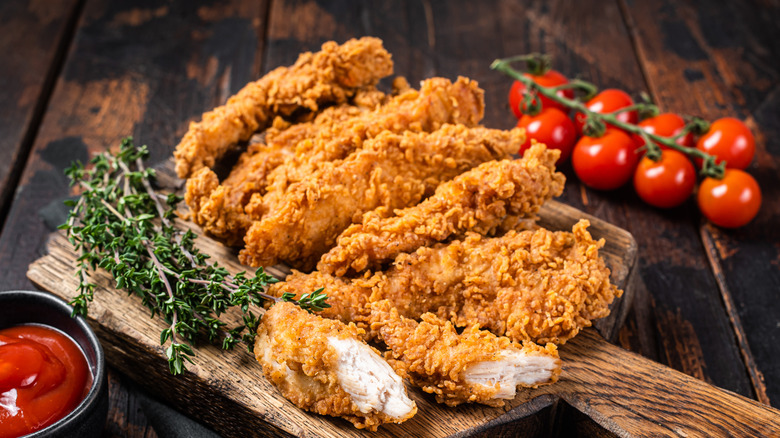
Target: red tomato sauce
(43, 376)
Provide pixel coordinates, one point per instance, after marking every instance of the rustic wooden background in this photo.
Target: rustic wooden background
(78, 75)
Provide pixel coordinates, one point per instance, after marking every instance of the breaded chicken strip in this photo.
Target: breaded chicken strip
(478, 200)
(473, 366)
(539, 286)
(292, 153)
(219, 208)
(391, 170)
(321, 365)
(438, 102)
(330, 76)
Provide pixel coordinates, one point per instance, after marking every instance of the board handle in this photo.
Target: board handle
(630, 395)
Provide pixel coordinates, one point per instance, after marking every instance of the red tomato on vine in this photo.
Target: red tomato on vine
(607, 101)
(551, 127)
(731, 140)
(665, 125)
(667, 182)
(550, 79)
(606, 162)
(730, 202)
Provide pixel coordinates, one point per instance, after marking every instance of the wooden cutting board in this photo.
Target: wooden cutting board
(603, 390)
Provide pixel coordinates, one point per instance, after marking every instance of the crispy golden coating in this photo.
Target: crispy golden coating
(439, 101)
(212, 209)
(321, 365)
(478, 200)
(330, 76)
(473, 366)
(391, 170)
(540, 286)
(219, 208)
(292, 153)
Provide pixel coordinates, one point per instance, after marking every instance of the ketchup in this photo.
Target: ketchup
(43, 376)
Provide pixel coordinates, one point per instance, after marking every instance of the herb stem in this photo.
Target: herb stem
(115, 225)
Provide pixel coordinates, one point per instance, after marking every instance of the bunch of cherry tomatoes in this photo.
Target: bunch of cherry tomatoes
(605, 156)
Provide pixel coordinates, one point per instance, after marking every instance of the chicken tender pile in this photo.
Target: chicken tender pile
(479, 200)
(420, 222)
(535, 285)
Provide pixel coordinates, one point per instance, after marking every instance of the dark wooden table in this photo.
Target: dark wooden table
(78, 75)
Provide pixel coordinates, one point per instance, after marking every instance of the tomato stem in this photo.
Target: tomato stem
(578, 84)
(709, 168)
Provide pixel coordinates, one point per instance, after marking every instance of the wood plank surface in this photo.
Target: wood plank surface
(141, 69)
(621, 392)
(681, 322)
(228, 391)
(707, 304)
(33, 40)
(714, 60)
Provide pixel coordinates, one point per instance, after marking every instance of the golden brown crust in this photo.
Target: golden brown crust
(289, 338)
(478, 200)
(540, 286)
(329, 76)
(435, 356)
(391, 171)
(438, 102)
(293, 152)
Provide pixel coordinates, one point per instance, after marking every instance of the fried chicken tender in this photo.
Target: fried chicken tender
(539, 286)
(292, 153)
(473, 366)
(219, 208)
(391, 170)
(478, 200)
(330, 76)
(438, 102)
(321, 365)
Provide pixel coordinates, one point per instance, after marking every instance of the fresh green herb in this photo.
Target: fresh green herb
(122, 225)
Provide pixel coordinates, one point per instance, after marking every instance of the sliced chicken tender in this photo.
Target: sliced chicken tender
(322, 366)
(474, 366)
(478, 200)
(330, 76)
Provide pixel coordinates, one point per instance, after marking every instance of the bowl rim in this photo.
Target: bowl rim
(93, 396)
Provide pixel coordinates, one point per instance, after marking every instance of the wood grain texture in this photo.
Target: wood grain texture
(622, 394)
(713, 60)
(185, 57)
(630, 395)
(227, 390)
(141, 69)
(681, 322)
(33, 39)
(133, 70)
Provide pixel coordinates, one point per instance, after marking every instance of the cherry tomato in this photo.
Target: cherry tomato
(550, 79)
(608, 101)
(665, 125)
(728, 139)
(730, 202)
(606, 162)
(551, 127)
(667, 182)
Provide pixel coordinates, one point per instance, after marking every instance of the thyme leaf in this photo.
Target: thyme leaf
(120, 224)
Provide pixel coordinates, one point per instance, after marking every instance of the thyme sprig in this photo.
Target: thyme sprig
(120, 224)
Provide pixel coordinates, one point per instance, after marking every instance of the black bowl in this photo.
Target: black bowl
(29, 307)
